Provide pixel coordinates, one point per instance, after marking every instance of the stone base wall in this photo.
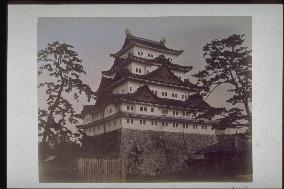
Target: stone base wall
(148, 152)
(162, 152)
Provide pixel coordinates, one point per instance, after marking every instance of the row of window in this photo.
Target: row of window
(155, 92)
(164, 94)
(144, 109)
(98, 116)
(143, 122)
(129, 120)
(110, 111)
(123, 91)
(164, 111)
(184, 96)
(149, 54)
(99, 127)
(88, 118)
(174, 95)
(138, 70)
(164, 123)
(140, 52)
(131, 108)
(175, 112)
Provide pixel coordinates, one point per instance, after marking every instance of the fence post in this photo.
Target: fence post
(101, 170)
(105, 167)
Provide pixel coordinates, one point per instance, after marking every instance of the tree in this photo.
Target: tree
(229, 62)
(64, 69)
(135, 158)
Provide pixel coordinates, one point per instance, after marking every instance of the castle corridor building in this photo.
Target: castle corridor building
(145, 89)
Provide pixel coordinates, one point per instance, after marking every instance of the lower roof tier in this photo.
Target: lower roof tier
(144, 95)
(162, 76)
(121, 114)
(140, 122)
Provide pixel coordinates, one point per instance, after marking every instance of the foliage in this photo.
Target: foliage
(64, 69)
(228, 62)
(135, 159)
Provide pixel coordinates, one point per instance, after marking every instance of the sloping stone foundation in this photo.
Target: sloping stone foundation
(162, 152)
(149, 152)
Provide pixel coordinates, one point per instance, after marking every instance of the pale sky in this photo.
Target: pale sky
(95, 38)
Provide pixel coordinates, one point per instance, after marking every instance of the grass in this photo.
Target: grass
(56, 174)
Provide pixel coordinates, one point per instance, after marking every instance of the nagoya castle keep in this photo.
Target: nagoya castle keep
(143, 107)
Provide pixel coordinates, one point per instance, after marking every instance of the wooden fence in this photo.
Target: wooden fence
(101, 170)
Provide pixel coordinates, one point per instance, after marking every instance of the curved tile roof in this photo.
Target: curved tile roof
(163, 74)
(144, 94)
(131, 40)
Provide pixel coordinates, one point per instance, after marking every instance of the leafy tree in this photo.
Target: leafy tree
(64, 69)
(135, 158)
(229, 62)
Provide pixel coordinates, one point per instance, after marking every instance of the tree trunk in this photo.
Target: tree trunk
(47, 130)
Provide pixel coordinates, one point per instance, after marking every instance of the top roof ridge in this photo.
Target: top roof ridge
(150, 40)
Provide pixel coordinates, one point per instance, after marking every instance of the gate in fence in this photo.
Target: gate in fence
(101, 170)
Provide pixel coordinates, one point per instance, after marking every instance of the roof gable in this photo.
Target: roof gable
(163, 74)
(144, 93)
(104, 84)
(130, 40)
(118, 64)
(141, 94)
(196, 101)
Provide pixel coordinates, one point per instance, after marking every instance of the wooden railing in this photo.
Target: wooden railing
(101, 170)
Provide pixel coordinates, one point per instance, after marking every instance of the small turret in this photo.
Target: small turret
(127, 32)
(163, 40)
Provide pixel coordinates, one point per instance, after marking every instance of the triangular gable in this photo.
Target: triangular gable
(145, 94)
(142, 94)
(163, 74)
(130, 40)
(196, 101)
(105, 82)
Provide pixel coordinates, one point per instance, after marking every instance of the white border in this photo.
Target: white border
(22, 92)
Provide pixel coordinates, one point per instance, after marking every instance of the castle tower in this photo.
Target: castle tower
(146, 91)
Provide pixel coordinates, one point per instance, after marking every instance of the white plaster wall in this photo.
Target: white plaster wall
(148, 107)
(169, 91)
(139, 66)
(181, 75)
(230, 131)
(137, 126)
(104, 127)
(98, 115)
(155, 53)
(123, 107)
(109, 107)
(114, 126)
(158, 111)
(123, 88)
(145, 68)
(169, 128)
(88, 118)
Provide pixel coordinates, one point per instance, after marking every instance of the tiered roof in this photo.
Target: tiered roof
(120, 63)
(131, 40)
(162, 75)
(145, 95)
